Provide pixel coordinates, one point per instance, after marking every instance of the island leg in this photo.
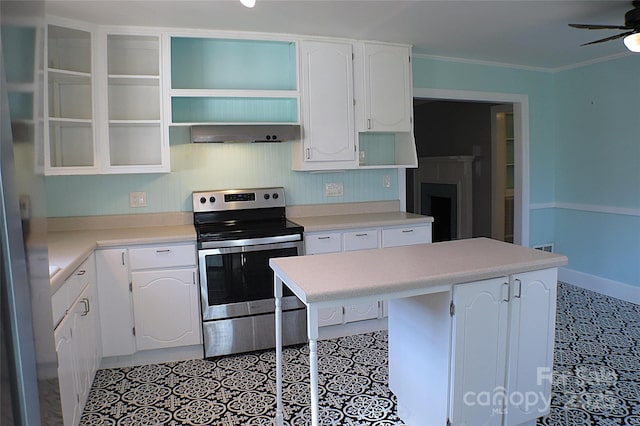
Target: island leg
(312, 333)
(277, 289)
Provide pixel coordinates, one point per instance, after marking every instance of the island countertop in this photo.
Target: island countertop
(379, 272)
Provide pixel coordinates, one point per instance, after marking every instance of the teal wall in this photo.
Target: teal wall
(598, 174)
(211, 166)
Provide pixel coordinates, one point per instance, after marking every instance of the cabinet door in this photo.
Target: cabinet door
(361, 239)
(387, 85)
(114, 298)
(134, 137)
(69, 107)
(167, 308)
(531, 337)
(67, 370)
(319, 243)
(86, 342)
(327, 89)
(479, 351)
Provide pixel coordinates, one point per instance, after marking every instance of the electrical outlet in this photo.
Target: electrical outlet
(333, 189)
(137, 199)
(545, 247)
(386, 181)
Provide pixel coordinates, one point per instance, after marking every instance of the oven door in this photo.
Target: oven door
(237, 281)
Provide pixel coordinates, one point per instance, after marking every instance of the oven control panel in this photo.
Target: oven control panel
(234, 199)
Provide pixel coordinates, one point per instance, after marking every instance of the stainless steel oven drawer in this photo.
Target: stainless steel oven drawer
(246, 334)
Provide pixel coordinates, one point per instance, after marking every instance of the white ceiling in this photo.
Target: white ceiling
(532, 33)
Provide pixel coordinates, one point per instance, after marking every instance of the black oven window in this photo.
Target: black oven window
(242, 277)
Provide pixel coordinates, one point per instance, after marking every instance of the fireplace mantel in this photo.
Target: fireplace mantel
(452, 170)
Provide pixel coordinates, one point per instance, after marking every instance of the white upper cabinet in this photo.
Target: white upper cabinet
(387, 84)
(384, 106)
(104, 107)
(134, 131)
(69, 107)
(328, 140)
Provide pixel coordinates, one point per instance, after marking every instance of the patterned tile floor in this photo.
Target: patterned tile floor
(596, 379)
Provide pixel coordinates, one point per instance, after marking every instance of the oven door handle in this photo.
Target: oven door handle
(244, 249)
(268, 242)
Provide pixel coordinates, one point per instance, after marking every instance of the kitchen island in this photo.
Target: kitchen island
(454, 306)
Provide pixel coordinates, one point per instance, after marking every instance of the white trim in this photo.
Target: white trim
(593, 208)
(521, 132)
(402, 189)
(617, 289)
(592, 61)
(482, 62)
(540, 206)
(522, 67)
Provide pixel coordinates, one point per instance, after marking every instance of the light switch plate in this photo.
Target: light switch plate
(333, 189)
(137, 199)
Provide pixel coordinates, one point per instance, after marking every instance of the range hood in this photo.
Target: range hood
(251, 133)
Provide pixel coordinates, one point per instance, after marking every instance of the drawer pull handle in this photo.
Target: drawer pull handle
(80, 273)
(407, 230)
(87, 307)
(518, 292)
(163, 251)
(362, 235)
(324, 238)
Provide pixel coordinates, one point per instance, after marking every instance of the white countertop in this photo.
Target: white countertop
(391, 271)
(361, 220)
(68, 249)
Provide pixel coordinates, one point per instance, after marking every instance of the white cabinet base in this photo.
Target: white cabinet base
(419, 330)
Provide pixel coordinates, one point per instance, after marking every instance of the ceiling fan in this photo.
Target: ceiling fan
(631, 23)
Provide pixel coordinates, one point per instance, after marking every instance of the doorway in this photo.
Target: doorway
(483, 159)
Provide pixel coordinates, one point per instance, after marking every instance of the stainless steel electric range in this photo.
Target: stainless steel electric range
(238, 231)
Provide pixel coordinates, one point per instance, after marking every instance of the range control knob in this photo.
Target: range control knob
(275, 195)
(266, 196)
(212, 199)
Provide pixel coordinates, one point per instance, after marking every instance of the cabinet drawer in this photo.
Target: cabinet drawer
(361, 240)
(162, 256)
(406, 235)
(70, 290)
(322, 243)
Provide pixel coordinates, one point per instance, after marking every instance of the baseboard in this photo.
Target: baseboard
(181, 353)
(617, 289)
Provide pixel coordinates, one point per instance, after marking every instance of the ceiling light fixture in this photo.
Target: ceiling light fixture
(632, 42)
(248, 3)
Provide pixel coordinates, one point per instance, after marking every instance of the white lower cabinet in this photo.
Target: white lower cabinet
(516, 318)
(531, 338)
(148, 298)
(361, 239)
(166, 311)
(479, 351)
(501, 334)
(116, 308)
(77, 339)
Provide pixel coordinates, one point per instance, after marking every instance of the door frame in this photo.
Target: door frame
(520, 104)
(498, 173)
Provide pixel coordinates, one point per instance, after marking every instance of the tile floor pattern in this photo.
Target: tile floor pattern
(596, 379)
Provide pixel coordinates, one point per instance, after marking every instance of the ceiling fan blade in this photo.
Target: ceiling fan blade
(600, 27)
(609, 38)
